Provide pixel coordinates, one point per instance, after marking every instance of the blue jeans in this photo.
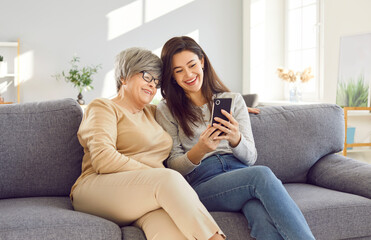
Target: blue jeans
(223, 183)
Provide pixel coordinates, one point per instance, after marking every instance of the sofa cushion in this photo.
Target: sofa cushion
(39, 151)
(233, 224)
(132, 233)
(342, 174)
(332, 214)
(290, 139)
(51, 218)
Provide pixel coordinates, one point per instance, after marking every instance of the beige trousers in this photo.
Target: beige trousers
(158, 200)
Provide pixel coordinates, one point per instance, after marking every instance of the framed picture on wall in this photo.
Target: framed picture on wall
(353, 88)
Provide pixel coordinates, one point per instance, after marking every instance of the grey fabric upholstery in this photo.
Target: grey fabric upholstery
(39, 151)
(332, 214)
(51, 218)
(40, 158)
(233, 224)
(251, 100)
(132, 233)
(289, 135)
(342, 174)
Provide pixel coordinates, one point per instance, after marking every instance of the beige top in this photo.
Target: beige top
(116, 140)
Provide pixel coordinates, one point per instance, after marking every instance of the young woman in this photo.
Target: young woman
(219, 167)
(123, 177)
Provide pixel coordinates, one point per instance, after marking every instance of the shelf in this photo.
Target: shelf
(358, 150)
(8, 44)
(363, 111)
(7, 75)
(15, 71)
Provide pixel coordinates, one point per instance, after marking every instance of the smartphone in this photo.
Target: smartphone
(219, 104)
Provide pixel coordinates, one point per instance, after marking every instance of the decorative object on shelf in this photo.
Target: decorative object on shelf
(352, 94)
(353, 88)
(350, 136)
(10, 71)
(295, 87)
(3, 87)
(80, 99)
(346, 142)
(2, 67)
(81, 78)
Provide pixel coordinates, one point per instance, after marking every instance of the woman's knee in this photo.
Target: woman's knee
(172, 179)
(264, 172)
(169, 175)
(173, 183)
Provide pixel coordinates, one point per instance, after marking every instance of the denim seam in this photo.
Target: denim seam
(221, 160)
(223, 193)
(275, 223)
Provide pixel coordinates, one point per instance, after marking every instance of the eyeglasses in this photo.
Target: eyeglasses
(149, 78)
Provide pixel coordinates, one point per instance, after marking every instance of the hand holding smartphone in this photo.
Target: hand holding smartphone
(219, 104)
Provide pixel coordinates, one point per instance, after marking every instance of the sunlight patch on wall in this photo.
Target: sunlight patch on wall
(109, 85)
(4, 86)
(26, 65)
(195, 35)
(125, 19)
(135, 14)
(157, 8)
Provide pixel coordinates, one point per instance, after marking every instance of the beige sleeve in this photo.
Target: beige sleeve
(98, 133)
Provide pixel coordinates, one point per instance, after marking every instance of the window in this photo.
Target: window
(302, 42)
(281, 34)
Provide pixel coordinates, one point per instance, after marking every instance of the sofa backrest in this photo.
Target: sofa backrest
(39, 151)
(290, 139)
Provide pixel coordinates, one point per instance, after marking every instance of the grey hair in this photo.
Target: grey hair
(134, 60)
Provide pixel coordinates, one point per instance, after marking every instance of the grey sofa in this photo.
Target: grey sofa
(40, 158)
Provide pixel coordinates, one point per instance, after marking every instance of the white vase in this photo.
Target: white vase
(295, 91)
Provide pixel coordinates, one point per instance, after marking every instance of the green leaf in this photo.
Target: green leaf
(81, 78)
(352, 93)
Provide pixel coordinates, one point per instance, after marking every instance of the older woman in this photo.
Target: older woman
(123, 177)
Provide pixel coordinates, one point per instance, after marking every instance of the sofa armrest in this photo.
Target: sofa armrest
(342, 174)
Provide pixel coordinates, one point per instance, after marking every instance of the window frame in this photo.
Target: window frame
(316, 94)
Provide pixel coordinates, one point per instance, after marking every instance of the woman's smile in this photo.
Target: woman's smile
(147, 91)
(191, 82)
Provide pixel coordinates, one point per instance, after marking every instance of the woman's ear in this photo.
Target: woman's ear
(123, 82)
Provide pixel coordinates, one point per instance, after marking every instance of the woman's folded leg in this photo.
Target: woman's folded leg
(127, 196)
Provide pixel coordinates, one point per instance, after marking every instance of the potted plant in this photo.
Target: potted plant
(352, 93)
(81, 78)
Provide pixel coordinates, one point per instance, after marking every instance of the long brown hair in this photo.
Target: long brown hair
(179, 104)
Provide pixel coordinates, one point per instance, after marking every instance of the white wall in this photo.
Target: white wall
(341, 18)
(52, 31)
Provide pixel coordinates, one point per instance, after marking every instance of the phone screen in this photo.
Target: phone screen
(219, 104)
